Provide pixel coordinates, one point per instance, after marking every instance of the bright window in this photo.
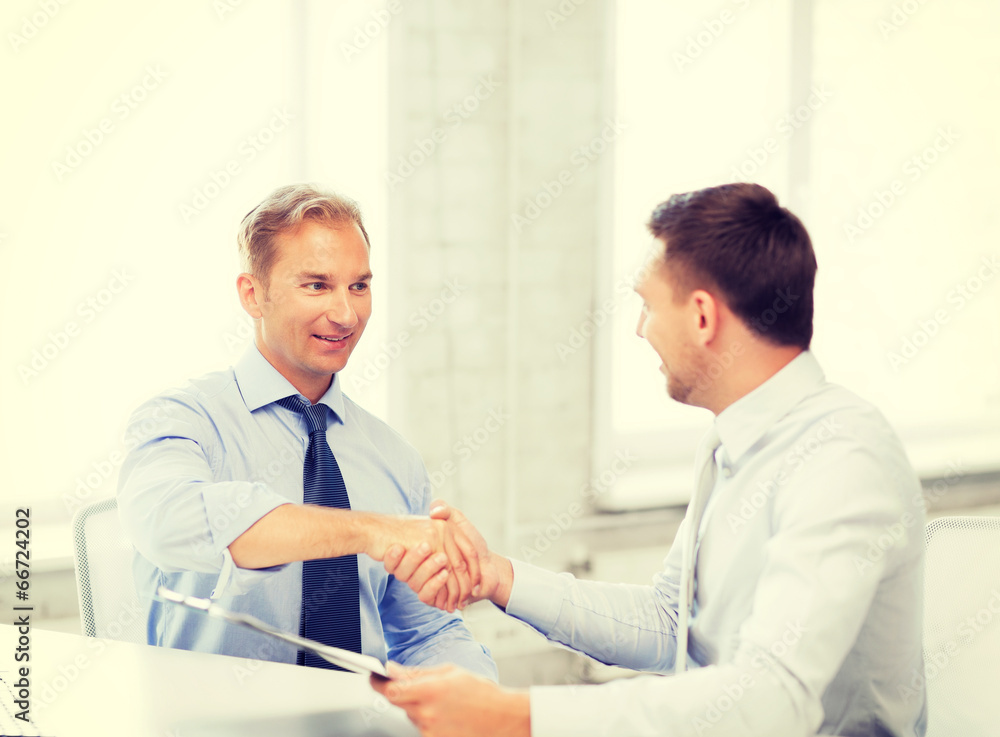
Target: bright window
(129, 164)
(878, 128)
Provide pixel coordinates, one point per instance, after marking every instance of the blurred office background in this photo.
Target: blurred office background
(506, 156)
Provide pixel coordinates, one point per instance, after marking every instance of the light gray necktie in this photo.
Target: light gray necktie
(704, 483)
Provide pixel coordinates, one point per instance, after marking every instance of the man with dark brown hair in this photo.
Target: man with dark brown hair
(790, 602)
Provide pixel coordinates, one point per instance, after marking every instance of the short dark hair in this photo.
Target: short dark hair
(736, 240)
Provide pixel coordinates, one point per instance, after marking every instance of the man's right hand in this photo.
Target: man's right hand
(410, 566)
(442, 563)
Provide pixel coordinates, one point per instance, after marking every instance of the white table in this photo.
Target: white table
(84, 687)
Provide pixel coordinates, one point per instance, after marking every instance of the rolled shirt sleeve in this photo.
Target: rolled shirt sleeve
(172, 506)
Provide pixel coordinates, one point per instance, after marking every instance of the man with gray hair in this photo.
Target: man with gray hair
(266, 488)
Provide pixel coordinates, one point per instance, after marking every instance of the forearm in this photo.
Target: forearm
(628, 625)
(296, 532)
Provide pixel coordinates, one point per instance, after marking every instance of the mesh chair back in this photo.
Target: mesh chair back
(109, 607)
(962, 626)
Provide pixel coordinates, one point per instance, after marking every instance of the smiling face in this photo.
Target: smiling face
(316, 303)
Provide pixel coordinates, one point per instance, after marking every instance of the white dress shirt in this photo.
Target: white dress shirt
(808, 598)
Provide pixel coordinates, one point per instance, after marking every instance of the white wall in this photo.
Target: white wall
(500, 414)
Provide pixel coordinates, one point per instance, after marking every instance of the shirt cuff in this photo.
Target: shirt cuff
(536, 595)
(230, 516)
(234, 580)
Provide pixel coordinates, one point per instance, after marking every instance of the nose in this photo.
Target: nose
(340, 311)
(641, 325)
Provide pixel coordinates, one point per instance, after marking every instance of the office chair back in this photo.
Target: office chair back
(109, 607)
(962, 626)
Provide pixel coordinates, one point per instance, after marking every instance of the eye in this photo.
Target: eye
(361, 287)
(315, 286)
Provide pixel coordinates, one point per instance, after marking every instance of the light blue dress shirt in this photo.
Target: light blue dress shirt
(808, 588)
(209, 459)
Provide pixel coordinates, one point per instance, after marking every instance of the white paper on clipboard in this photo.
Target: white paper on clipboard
(346, 659)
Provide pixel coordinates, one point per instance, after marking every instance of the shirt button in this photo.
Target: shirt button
(727, 471)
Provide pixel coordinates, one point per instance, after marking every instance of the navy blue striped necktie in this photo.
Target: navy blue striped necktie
(331, 605)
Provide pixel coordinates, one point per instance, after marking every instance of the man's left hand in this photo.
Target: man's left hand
(447, 701)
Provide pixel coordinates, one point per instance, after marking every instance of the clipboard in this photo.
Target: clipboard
(346, 659)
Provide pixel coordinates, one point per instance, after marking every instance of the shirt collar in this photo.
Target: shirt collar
(744, 422)
(260, 384)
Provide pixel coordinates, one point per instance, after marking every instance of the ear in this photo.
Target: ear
(704, 315)
(251, 294)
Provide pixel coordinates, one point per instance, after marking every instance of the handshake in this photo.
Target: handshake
(443, 559)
